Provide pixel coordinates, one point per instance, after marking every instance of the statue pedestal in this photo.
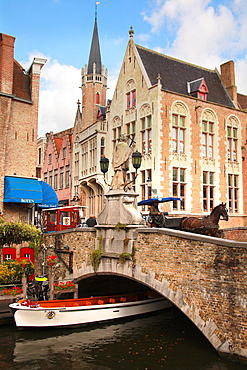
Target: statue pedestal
(120, 207)
(118, 222)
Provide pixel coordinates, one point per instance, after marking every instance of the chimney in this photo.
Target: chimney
(228, 78)
(6, 63)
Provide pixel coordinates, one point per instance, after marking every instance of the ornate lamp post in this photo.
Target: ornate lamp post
(136, 162)
(104, 165)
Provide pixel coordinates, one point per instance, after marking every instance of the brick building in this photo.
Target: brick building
(19, 98)
(57, 164)
(189, 123)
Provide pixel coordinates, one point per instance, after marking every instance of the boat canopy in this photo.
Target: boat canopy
(151, 201)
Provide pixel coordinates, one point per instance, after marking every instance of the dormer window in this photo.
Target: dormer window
(198, 89)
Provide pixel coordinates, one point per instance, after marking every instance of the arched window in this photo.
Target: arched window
(131, 94)
(208, 133)
(179, 116)
(232, 139)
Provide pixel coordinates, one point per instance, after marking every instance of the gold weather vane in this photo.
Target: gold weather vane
(96, 3)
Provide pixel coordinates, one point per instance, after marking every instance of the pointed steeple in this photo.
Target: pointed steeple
(93, 82)
(95, 56)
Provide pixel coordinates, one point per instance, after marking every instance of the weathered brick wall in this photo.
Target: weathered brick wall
(237, 233)
(210, 275)
(81, 243)
(204, 277)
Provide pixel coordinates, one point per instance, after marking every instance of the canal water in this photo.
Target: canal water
(164, 340)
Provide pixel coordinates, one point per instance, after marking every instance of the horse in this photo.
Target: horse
(208, 225)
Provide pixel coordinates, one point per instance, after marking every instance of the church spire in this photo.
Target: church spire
(93, 82)
(95, 56)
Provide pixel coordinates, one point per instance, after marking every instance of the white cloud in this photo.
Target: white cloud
(202, 32)
(59, 93)
(241, 80)
(58, 97)
(143, 37)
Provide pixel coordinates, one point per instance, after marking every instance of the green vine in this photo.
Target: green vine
(124, 257)
(95, 258)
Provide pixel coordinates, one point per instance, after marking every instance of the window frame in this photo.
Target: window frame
(179, 187)
(208, 188)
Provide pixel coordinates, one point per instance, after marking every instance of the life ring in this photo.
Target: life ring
(50, 315)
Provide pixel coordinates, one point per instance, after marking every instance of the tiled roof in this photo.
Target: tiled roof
(21, 83)
(175, 75)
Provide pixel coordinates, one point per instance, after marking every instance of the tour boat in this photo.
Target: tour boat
(70, 312)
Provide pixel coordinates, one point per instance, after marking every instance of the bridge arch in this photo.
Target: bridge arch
(148, 280)
(204, 277)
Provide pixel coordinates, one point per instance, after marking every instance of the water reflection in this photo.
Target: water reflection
(158, 341)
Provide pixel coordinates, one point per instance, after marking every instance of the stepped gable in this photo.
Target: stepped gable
(175, 75)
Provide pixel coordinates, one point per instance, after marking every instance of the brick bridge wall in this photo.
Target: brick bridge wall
(204, 277)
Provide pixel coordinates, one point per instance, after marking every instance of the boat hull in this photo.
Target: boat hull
(27, 317)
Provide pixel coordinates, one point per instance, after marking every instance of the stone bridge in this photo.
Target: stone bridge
(204, 277)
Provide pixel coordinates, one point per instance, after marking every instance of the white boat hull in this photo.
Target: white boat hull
(27, 317)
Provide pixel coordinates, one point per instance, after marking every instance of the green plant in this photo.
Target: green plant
(95, 258)
(124, 257)
(17, 232)
(119, 226)
(10, 272)
(27, 267)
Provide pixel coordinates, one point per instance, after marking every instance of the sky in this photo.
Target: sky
(203, 32)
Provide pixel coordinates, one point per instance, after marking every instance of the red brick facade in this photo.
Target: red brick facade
(19, 97)
(57, 164)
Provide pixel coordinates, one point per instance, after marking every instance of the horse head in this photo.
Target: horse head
(224, 211)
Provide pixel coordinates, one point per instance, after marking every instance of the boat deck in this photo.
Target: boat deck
(123, 298)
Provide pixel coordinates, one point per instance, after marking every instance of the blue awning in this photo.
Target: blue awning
(22, 190)
(50, 199)
(28, 190)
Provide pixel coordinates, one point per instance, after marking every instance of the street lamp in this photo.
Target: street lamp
(136, 160)
(104, 165)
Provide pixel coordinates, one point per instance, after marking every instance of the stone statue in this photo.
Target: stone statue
(120, 163)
